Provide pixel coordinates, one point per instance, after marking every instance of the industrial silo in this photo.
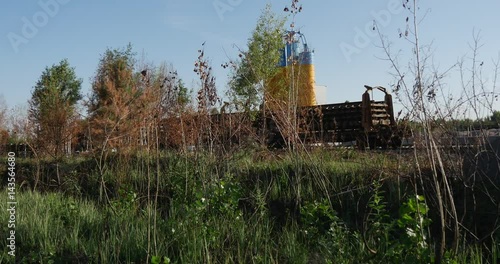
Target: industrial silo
(295, 78)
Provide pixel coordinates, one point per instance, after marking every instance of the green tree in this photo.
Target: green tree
(495, 117)
(52, 108)
(259, 63)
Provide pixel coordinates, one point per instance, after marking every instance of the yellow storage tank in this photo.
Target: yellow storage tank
(295, 79)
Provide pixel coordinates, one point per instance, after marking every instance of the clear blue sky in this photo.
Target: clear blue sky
(173, 30)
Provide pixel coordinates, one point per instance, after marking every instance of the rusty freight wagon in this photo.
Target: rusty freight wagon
(366, 123)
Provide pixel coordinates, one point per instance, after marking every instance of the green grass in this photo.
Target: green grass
(315, 207)
(53, 227)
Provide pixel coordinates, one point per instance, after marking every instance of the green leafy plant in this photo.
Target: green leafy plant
(160, 260)
(323, 231)
(401, 240)
(413, 221)
(377, 225)
(126, 201)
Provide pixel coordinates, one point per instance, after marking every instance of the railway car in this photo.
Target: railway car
(366, 123)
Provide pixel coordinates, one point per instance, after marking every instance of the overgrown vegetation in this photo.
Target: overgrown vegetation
(324, 207)
(163, 179)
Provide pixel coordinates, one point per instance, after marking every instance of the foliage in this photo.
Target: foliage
(113, 100)
(398, 240)
(159, 260)
(3, 119)
(324, 230)
(207, 94)
(467, 124)
(52, 107)
(4, 133)
(414, 221)
(172, 94)
(3, 110)
(259, 63)
(248, 210)
(183, 96)
(495, 117)
(114, 72)
(246, 205)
